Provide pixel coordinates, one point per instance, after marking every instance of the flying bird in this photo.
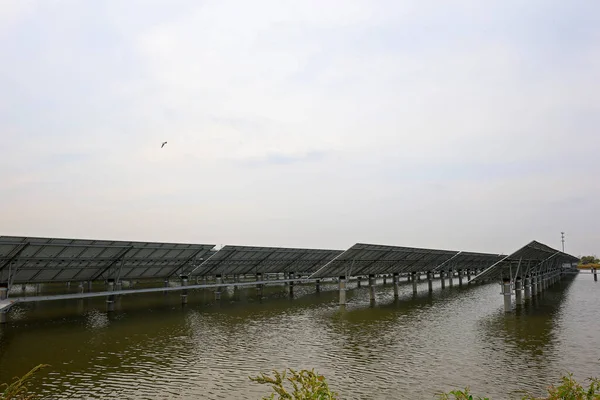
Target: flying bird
(163, 145)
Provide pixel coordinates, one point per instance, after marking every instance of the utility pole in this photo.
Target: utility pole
(562, 238)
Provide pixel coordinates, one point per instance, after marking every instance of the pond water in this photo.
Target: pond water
(152, 347)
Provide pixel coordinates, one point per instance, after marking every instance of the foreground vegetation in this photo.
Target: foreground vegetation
(569, 389)
(308, 385)
(19, 388)
(305, 385)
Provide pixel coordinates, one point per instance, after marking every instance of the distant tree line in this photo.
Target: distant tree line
(589, 260)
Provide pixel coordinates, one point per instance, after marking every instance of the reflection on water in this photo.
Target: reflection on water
(410, 347)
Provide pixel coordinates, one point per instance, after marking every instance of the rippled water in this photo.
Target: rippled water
(153, 348)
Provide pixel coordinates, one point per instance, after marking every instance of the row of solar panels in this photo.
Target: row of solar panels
(31, 260)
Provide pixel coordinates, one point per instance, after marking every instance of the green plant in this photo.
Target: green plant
(19, 389)
(305, 385)
(570, 389)
(460, 395)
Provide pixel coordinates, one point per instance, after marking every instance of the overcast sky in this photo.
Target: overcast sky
(464, 125)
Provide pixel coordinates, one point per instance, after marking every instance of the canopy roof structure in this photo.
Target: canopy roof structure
(260, 260)
(34, 260)
(365, 259)
(532, 259)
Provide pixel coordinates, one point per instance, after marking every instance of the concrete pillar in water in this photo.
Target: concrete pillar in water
(318, 285)
(90, 286)
(407, 277)
(342, 290)
(358, 284)
(540, 287)
(451, 278)
(38, 288)
(430, 281)
(468, 275)
(518, 293)
(184, 292)
(259, 287)
(3, 291)
(418, 276)
(507, 295)
(443, 279)
(460, 277)
(81, 287)
(534, 285)
(527, 287)
(384, 279)
(414, 282)
(372, 287)
(395, 281)
(218, 280)
(118, 285)
(292, 284)
(110, 300)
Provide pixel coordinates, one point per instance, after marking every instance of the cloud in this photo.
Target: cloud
(454, 125)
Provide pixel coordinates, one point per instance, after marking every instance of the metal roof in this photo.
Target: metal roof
(365, 259)
(252, 260)
(34, 259)
(532, 258)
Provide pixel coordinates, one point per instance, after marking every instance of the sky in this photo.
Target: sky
(462, 125)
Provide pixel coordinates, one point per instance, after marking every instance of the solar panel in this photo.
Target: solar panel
(231, 260)
(366, 259)
(32, 260)
(534, 257)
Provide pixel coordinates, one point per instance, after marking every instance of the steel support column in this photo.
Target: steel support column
(518, 293)
(527, 287)
(443, 279)
(259, 287)
(342, 290)
(507, 295)
(430, 281)
(184, 292)
(110, 300)
(218, 280)
(372, 287)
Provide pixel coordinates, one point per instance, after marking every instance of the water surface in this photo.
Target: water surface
(411, 348)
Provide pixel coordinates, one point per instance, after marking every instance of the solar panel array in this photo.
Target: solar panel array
(32, 260)
(243, 260)
(365, 259)
(532, 258)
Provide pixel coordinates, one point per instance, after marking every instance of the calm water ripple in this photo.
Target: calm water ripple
(415, 347)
